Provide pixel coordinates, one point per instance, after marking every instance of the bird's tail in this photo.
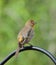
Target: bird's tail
(17, 51)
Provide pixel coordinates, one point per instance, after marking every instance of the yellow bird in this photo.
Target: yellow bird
(25, 35)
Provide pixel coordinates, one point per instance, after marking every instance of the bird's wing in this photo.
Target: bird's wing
(30, 35)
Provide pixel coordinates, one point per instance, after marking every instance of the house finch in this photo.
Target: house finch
(25, 35)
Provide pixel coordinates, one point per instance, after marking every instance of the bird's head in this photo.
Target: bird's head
(30, 23)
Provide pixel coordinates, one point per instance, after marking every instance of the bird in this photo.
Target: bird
(25, 35)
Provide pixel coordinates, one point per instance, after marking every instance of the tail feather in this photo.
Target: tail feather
(17, 51)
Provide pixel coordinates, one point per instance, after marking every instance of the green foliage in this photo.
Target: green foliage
(13, 15)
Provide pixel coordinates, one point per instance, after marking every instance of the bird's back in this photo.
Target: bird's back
(24, 31)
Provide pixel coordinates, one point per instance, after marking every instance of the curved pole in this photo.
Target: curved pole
(30, 48)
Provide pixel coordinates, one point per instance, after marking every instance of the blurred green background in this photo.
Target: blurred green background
(13, 15)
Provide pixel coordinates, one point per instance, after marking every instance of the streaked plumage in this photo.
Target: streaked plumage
(26, 34)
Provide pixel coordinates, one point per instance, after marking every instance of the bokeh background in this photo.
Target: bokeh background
(13, 15)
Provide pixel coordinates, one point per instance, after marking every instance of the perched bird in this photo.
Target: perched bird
(25, 35)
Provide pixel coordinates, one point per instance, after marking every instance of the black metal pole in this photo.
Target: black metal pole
(30, 48)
